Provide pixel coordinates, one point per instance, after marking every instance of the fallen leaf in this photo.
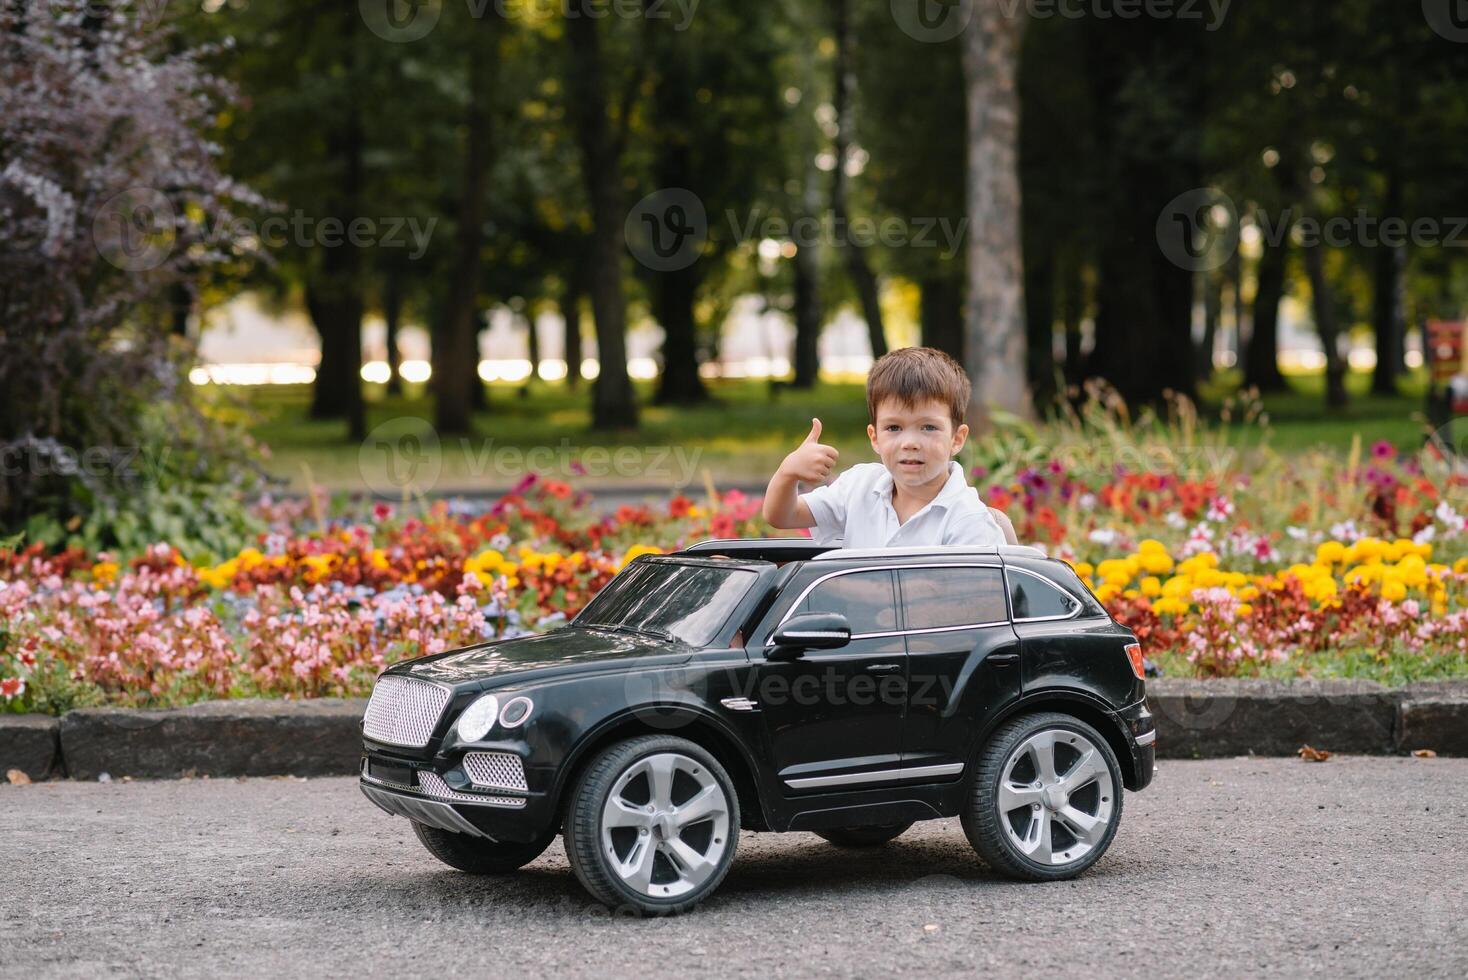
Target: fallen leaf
(17, 778)
(1313, 755)
(1424, 754)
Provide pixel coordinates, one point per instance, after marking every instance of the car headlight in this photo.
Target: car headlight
(478, 718)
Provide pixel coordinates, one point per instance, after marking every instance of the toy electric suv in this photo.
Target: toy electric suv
(774, 685)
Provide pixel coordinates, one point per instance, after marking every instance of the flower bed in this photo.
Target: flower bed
(1209, 575)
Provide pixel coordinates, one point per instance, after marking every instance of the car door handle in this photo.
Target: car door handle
(884, 668)
(1003, 659)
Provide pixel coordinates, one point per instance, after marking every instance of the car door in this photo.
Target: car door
(833, 718)
(963, 662)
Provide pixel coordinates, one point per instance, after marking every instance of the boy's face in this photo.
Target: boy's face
(916, 442)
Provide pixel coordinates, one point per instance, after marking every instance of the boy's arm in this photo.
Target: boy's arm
(1005, 525)
(811, 462)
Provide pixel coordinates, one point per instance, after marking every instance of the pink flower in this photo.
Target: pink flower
(12, 687)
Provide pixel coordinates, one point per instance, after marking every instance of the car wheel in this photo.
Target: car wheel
(653, 825)
(1046, 798)
(874, 836)
(477, 855)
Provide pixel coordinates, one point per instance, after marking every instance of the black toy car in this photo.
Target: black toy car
(774, 685)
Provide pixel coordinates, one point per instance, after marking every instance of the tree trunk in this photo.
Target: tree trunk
(1261, 356)
(613, 405)
(994, 320)
(1040, 326)
(807, 273)
(392, 312)
(455, 402)
(1323, 303)
(334, 289)
(673, 294)
(942, 315)
(1212, 286)
(1389, 304)
(571, 312)
(853, 253)
(1073, 311)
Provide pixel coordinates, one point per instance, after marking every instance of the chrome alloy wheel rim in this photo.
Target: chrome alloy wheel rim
(1056, 797)
(665, 825)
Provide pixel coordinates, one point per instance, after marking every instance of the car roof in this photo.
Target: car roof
(803, 549)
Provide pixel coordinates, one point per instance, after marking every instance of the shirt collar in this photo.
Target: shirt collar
(946, 497)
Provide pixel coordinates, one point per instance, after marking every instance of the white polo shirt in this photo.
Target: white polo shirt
(855, 511)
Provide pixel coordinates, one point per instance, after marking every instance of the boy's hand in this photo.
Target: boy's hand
(812, 461)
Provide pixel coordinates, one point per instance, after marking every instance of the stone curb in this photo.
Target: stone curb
(30, 743)
(216, 738)
(1195, 719)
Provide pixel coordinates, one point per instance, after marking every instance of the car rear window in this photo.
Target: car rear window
(1035, 598)
(688, 602)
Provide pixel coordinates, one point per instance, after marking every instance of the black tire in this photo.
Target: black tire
(583, 825)
(476, 855)
(874, 836)
(989, 831)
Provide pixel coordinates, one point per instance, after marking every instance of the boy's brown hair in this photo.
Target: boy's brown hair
(917, 374)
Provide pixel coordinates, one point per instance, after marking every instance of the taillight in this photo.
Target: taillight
(1134, 654)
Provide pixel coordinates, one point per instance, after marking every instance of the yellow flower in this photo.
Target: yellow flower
(1168, 606)
(104, 572)
(1393, 590)
(1330, 553)
(1155, 562)
(1245, 609)
(1152, 545)
(636, 551)
(1085, 569)
(1151, 586)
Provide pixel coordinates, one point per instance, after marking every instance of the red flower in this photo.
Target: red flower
(12, 687)
(679, 506)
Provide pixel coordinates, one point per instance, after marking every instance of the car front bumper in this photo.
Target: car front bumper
(421, 795)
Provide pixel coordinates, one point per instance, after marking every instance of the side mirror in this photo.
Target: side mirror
(811, 631)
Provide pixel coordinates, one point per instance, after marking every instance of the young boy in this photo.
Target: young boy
(917, 494)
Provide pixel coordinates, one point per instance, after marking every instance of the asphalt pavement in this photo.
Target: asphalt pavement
(1237, 867)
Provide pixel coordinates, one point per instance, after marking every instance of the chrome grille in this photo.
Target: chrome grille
(431, 784)
(404, 711)
(495, 770)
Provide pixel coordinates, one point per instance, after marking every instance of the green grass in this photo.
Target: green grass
(739, 437)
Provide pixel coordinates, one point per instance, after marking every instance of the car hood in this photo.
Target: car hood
(566, 650)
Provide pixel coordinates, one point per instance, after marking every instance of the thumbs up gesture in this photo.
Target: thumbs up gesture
(812, 461)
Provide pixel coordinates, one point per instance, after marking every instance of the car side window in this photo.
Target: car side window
(937, 598)
(866, 599)
(1035, 598)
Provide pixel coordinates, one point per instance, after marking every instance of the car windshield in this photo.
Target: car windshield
(670, 600)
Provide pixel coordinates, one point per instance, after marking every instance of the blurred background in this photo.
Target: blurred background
(398, 247)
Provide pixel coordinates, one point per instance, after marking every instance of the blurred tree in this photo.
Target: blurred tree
(994, 323)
